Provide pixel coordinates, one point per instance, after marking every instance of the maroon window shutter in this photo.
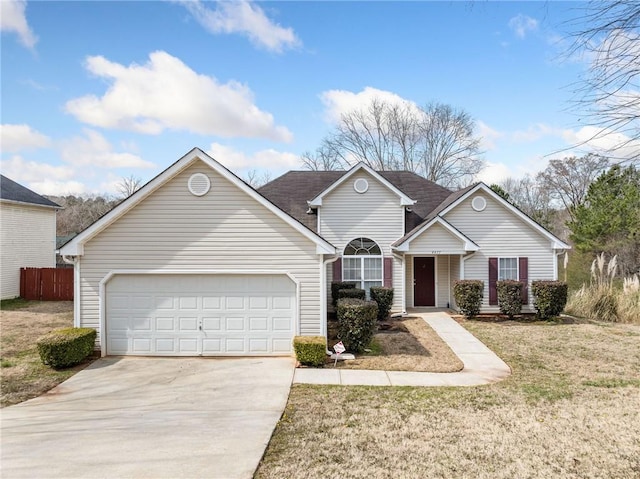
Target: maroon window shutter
(337, 270)
(493, 281)
(388, 272)
(523, 269)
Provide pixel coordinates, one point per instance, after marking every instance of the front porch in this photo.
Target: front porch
(429, 280)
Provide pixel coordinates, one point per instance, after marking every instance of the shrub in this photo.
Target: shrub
(468, 295)
(510, 297)
(337, 286)
(67, 347)
(310, 350)
(356, 293)
(384, 298)
(549, 298)
(357, 322)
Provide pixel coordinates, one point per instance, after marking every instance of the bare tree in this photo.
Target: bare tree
(608, 36)
(80, 211)
(533, 199)
(436, 141)
(567, 181)
(128, 185)
(257, 179)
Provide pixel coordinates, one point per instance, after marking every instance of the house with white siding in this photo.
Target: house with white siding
(27, 234)
(197, 262)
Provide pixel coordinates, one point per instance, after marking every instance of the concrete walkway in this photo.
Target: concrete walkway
(481, 365)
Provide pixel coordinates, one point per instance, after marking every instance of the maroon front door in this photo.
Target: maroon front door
(424, 284)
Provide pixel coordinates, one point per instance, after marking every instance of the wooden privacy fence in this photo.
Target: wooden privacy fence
(46, 284)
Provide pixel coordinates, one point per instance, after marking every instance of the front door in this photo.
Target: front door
(424, 284)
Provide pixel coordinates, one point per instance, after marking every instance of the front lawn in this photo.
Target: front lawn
(408, 344)
(23, 376)
(571, 409)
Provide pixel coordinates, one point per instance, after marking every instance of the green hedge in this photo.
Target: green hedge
(67, 347)
(357, 323)
(337, 286)
(468, 294)
(310, 350)
(356, 293)
(384, 298)
(549, 298)
(510, 297)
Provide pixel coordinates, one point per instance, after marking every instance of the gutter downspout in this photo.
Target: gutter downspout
(74, 260)
(323, 296)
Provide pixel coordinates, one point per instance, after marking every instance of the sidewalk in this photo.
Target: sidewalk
(481, 365)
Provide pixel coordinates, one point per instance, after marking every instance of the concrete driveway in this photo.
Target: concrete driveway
(149, 418)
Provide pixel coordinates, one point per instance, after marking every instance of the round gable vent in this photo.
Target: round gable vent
(478, 203)
(361, 185)
(199, 184)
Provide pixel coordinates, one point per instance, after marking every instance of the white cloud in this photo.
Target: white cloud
(164, 94)
(494, 173)
(523, 24)
(42, 178)
(535, 132)
(94, 150)
(269, 159)
(21, 170)
(488, 135)
(606, 142)
(13, 19)
(245, 18)
(21, 137)
(339, 102)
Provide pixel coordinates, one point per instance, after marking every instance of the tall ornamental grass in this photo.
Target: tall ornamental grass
(602, 300)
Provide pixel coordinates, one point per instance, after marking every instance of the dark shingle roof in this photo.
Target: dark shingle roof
(291, 191)
(12, 191)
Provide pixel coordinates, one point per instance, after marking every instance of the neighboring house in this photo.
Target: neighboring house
(28, 234)
(199, 263)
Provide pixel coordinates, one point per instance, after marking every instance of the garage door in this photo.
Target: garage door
(192, 315)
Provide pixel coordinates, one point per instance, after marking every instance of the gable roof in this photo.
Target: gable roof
(404, 199)
(76, 245)
(458, 197)
(293, 190)
(403, 243)
(16, 193)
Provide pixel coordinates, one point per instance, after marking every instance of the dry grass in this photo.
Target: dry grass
(23, 376)
(571, 409)
(409, 345)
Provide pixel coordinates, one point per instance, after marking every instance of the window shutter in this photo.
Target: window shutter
(337, 270)
(493, 281)
(388, 273)
(523, 268)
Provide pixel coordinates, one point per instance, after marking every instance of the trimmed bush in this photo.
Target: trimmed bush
(357, 322)
(67, 347)
(337, 286)
(549, 298)
(510, 297)
(468, 294)
(384, 298)
(310, 350)
(356, 293)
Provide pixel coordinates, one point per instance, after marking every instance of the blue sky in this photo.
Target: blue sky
(94, 91)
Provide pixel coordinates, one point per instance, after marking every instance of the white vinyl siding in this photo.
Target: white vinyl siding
(436, 240)
(223, 230)
(500, 233)
(28, 240)
(376, 214)
(455, 275)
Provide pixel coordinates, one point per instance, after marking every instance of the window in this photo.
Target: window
(507, 269)
(362, 263)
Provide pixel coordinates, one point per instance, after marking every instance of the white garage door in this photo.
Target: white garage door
(191, 315)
